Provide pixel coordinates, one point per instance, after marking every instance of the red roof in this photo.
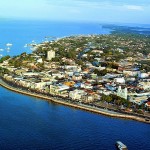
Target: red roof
(148, 103)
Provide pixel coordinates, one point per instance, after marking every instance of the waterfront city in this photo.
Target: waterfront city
(93, 70)
(74, 75)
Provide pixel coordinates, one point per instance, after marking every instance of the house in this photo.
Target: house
(148, 104)
(69, 83)
(110, 87)
(139, 100)
(143, 75)
(73, 68)
(39, 60)
(8, 77)
(130, 73)
(88, 98)
(59, 89)
(76, 76)
(86, 85)
(119, 80)
(145, 85)
(57, 74)
(20, 71)
(30, 74)
(77, 85)
(40, 85)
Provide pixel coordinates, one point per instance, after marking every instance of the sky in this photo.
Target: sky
(121, 11)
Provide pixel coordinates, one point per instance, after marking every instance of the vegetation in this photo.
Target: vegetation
(145, 65)
(3, 71)
(100, 72)
(91, 53)
(115, 100)
(4, 58)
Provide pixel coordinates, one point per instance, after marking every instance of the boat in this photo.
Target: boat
(8, 44)
(121, 146)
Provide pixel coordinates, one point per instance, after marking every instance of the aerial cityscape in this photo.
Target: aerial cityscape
(75, 77)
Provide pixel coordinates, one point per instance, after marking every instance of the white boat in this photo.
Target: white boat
(8, 44)
(121, 146)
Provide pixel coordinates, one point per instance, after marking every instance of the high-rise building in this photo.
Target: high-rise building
(50, 54)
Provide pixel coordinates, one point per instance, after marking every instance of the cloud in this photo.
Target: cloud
(134, 7)
(97, 4)
(88, 10)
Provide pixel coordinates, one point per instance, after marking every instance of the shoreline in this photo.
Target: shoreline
(77, 106)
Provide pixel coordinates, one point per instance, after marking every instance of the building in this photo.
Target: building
(77, 94)
(144, 85)
(76, 76)
(139, 100)
(88, 98)
(148, 104)
(39, 60)
(50, 54)
(61, 90)
(119, 80)
(143, 75)
(122, 92)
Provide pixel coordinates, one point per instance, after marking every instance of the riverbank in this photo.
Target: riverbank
(78, 106)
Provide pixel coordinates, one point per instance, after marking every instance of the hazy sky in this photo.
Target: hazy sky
(123, 11)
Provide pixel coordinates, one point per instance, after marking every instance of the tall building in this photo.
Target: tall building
(50, 54)
(122, 92)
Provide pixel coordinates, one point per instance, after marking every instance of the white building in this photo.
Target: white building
(119, 80)
(76, 94)
(73, 68)
(40, 85)
(143, 75)
(86, 85)
(39, 60)
(122, 92)
(50, 54)
(59, 90)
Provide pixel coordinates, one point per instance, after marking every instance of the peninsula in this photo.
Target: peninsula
(106, 74)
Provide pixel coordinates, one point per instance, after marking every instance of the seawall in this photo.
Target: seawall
(78, 106)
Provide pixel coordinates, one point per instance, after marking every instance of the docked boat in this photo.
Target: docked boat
(121, 146)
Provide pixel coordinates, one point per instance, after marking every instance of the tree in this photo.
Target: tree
(106, 98)
(3, 71)
(4, 58)
(100, 72)
(79, 62)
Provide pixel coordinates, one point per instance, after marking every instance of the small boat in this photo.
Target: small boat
(8, 44)
(121, 146)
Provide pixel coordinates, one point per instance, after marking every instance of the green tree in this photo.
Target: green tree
(4, 58)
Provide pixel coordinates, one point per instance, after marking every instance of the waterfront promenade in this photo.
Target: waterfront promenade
(75, 105)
